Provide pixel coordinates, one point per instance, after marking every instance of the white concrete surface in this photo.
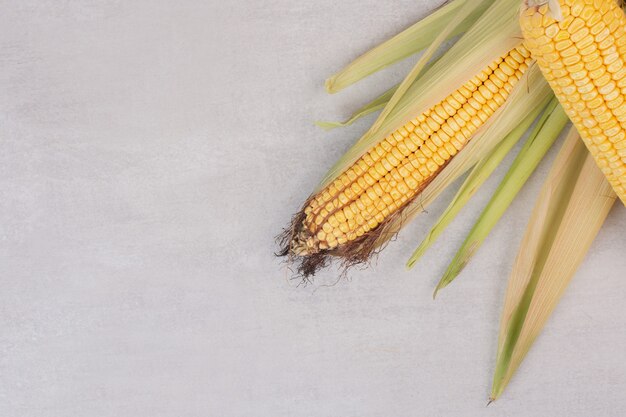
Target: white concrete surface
(151, 150)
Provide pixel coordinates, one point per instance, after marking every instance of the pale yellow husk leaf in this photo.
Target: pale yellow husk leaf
(571, 208)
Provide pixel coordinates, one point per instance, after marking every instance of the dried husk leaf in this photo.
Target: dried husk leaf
(572, 206)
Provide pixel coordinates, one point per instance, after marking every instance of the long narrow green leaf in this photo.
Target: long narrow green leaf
(405, 44)
(472, 184)
(572, 206)
(541, 139)
(494, 34)
(377, 104)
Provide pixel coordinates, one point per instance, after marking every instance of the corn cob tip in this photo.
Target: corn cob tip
(300, 249)
(308, 254)
(304, 244)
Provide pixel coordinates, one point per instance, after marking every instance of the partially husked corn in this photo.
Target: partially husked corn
(583, 57)
(390, 174)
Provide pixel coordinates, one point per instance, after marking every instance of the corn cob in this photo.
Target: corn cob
(583, 57)
(388, 176)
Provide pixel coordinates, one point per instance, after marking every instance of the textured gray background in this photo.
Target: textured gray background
(151, 150)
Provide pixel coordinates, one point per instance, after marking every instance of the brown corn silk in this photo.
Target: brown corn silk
(348, 215)
(583, 57)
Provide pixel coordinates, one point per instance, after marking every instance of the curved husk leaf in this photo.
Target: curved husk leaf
(377, 104)
(408, 42)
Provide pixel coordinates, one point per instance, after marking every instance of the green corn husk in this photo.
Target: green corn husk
(481, 172)
(572, 206)
(541, 139)
(408, 42)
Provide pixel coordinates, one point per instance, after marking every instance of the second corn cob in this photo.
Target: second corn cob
(583, 57)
